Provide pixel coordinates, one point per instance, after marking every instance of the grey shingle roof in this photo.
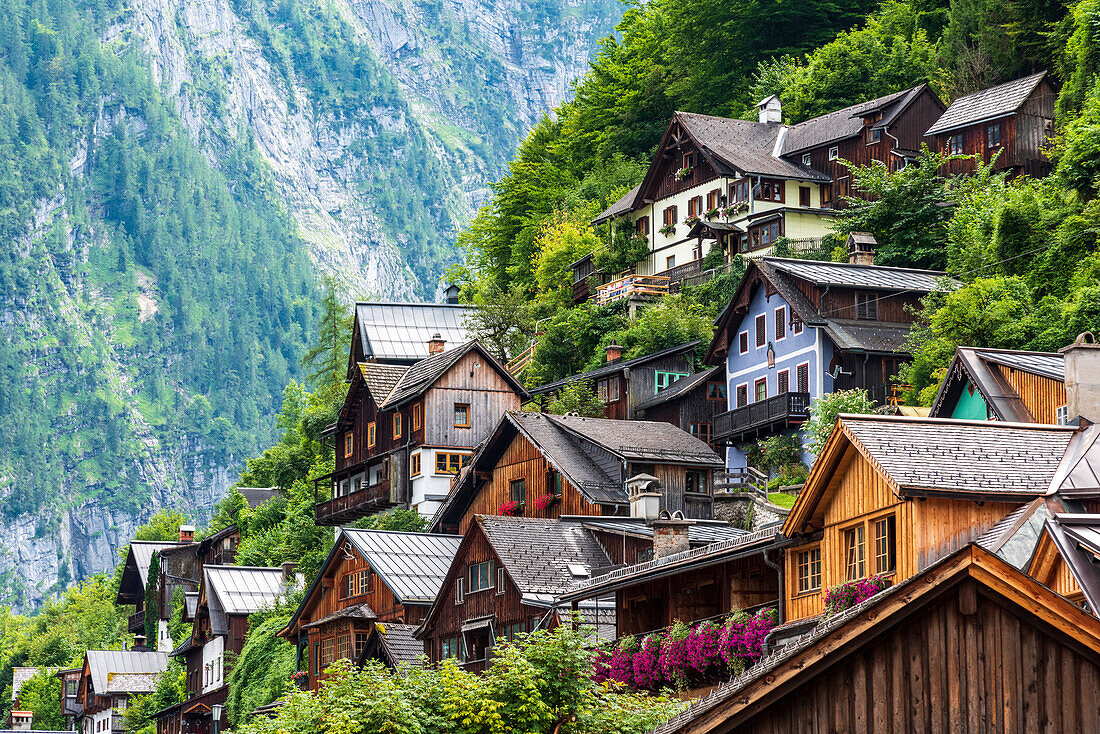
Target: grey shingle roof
(649, 441)
(421, 375)
(398, 642)
(537, 553)
(256, 496)
(988, 104)
(867, 277)
(361, 610)
(103, 664)
(622, 206)
(1014, 538)
(239, 590)
(381, 378)
(613, 368)
(682, 387)
(871, 336)
(400, 331)
(745, 146)
(935, 455)
(412, 565)
(843, 123)
(567, 455)
(20, 675)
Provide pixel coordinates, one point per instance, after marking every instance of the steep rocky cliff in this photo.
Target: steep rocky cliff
(185, 169)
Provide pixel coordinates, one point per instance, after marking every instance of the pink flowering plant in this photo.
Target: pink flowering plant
(674, 654)
(847, 595)
(703, 656)
(620, 667)
(509, 509)
(545, 501)
(647, 664)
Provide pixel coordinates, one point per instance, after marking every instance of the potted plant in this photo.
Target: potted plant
(545, 501)
(300, 678)
(511, 509)
(711, 214)
(668, 229)
(735, 208)
(692, 220)
(684, 172)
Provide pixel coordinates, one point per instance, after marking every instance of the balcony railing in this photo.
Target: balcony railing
(632, 286)
(136, 624)
(352, 506)
(748, 421)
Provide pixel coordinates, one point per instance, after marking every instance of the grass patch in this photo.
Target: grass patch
(782, 499)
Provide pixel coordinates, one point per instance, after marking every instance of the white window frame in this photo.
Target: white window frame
(746, 349)
(781, 310)
(806, 159)
(834, 152)
(460, 591)
(500, 580)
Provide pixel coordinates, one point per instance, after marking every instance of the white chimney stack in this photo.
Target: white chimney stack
(645, 496)
(770, 110)
(1083, 378)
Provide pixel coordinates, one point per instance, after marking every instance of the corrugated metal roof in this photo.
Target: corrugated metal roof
(143, 551)
(102, 663)
(412, 565)
(1044, 364)
(869, 277)
(988, 104)
(240, 590)
(982, 457)
(400, 331)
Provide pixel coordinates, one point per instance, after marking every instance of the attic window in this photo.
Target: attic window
(806, 159)
(866, 306)
(689, 160)
(834, 153)
(874, 135)
(578, 570)
(1061, 415)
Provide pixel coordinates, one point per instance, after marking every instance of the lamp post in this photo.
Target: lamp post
(216, 712)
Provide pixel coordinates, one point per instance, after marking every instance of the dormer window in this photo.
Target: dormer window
(874, 135)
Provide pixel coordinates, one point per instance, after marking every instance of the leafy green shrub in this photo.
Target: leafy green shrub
(824, 411)
(577, 397)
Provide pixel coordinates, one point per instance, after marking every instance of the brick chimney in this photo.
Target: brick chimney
(614, 353)
(1082, 379)
(187, 533)
(670, 534)
(436, 344)
(861, 248)
(288, 572)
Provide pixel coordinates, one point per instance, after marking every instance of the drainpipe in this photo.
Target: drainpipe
(768, 639)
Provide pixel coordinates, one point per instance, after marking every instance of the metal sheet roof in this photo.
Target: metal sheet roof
(102, 664)
(239, 590)
(412, 565)
(400, 331)
(1044, 364)
(988, 104)
(1079, 473)
(870, 277)
(143, 551)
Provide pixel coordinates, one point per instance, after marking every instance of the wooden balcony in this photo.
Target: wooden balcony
(136, 624)
(759, 419)
(644, 287)
(347, 508)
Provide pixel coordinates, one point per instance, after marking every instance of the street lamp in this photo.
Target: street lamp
(216, 712)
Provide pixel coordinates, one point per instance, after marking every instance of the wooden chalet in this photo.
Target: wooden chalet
(71, 708)
(689, 585)
(890, 496)
(742, 185)
(969, 644)
(405, 432)
(226, 598)
(371, 590)
(690, 403)
(544, 466)
(1004, 385)
(107, 681)
(799, 329)
(1012, 121)
(623, 385)
(135, 578)
(504, 581)
(398, 333)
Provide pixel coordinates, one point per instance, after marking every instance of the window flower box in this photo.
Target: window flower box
(684, 172)
(711, 214)
(668, 229)
(546, 501)
(511, 509)
(692, 220)
(734, 209)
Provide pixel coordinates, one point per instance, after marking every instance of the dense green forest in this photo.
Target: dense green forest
(1026, 250)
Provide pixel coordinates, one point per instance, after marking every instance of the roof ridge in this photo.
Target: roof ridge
(912, 419)
(417, 533)
(860, 266)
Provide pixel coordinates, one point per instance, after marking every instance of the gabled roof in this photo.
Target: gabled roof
(976, 365)
(138, 560)
(104, 664)
(422, 375)
(624, 205)
(844, 123)
(1076, 536)
(412, 565)
(381, 378)
(537, 554)
(791, 666)
(239, 590)
(745, 147)
(613, 368)
(700, 533)
(847, 334)
(396, 643)
(1079, 474)
(918, 457)
(988, 104)
(683, 387)
(643, 441)
(399, 332)
(256, 496)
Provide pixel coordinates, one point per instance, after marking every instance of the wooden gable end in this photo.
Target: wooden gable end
(329, 596)
(660, 180)
(522, 460)
(474, 381)
(358, 410)
(1050, 569)
(1042, 396)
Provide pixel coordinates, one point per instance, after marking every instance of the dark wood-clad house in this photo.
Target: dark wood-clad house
(890, 496)
(799, 329)
(1013, 121)
(135, 579)
(404, 432)
(107, 681)
(624, 384)
(1004, 385)
(970, 644)
(369, 577)
(546, 466)
(690, 404)
(227, 596)
(504, 581)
